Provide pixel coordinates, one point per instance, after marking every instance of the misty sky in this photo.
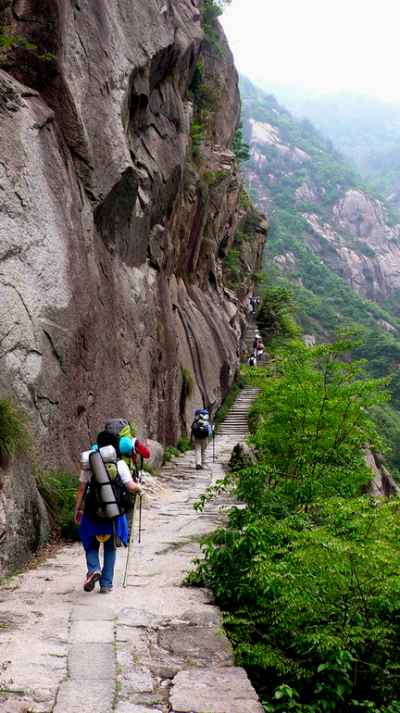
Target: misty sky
(345, 45)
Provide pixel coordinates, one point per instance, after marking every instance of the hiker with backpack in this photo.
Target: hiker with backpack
(200, 432)
(252, 361)
(105, 483)
(257, 340)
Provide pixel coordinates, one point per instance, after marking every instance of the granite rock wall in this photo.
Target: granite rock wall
(111, 277)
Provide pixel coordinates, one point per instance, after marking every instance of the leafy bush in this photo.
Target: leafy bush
(184, 444)
(14, 435)
(169, 453)
(308, 573)
(273, 313)
(59, 490)
(232, 266)
(196, 135)
(210, 10)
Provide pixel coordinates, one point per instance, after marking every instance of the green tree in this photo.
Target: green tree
(239, 145)
(273, 315)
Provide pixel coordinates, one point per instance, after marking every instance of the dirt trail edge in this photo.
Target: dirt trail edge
(149, 648)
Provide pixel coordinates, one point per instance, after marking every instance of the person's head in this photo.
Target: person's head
(126, 446)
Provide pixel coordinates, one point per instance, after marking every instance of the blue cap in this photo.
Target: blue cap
(125, 445)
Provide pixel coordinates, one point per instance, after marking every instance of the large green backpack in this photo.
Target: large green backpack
(97, 506)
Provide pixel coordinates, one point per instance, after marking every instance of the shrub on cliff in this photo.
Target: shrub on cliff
(210, 10)
(14, 434)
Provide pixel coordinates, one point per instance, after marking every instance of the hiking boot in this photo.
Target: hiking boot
(91, 580)
(106, 590)
(199, 467)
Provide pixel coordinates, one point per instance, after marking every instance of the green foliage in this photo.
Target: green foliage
(210, 10)
(206, 94)
(59, 490)
(184, 444)
(232, 267)
(245, 201)
(318, 423)
(308, 573)
(15, 439)
(169, 454)
(196, 135)
(10, 40)
(273, 314)
(212, 180)
(239, 145)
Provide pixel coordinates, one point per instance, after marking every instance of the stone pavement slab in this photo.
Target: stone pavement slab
(98, 697)
(91, 662)
(213, 690)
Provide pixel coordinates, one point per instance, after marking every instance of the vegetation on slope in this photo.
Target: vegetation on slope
(307, 575)
(365, 130)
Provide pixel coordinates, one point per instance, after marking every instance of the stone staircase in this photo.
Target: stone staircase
(235, 424)
(249, 337)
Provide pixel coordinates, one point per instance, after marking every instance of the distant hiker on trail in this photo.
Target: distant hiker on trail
(260, 350)
(253, 304)
(104, 484)
(201, 430)
(257, 340)
(252, 361)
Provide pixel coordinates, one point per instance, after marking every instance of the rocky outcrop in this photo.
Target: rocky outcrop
(110, 261)
(353, 234)
(23, 520)
(382, 485)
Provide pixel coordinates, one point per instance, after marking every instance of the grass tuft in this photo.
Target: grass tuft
(59, 490)
(15, 438)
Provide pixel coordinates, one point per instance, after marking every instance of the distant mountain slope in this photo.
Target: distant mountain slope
(316, 197)
(331, 240)
(365, 130)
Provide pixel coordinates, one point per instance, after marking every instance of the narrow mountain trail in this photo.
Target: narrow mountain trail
(149, 648)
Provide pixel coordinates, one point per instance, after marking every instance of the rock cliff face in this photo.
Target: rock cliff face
(111, 246)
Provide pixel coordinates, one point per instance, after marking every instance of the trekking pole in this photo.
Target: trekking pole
(140, 496)
(213, 430)
(130, 544)
(128, 556)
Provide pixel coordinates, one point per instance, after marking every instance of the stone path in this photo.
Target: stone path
(250, 334)
(149, 648)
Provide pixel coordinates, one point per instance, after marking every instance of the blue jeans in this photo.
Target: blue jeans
(93, 561)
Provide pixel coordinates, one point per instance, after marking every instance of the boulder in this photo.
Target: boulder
(156, 454)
